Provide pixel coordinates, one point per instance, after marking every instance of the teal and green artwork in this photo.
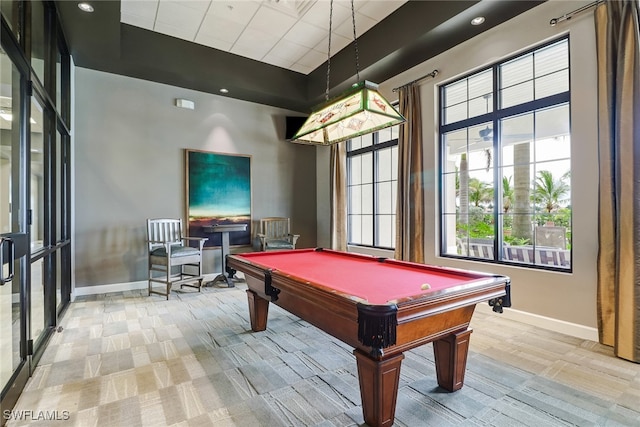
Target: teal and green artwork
(218, 192)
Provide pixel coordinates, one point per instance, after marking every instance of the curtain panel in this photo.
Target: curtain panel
(618, 54)
(338, 171)
(410, 203)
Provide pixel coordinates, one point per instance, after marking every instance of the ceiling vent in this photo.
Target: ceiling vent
(294, 8)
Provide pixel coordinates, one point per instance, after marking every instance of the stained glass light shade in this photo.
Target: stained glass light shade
(358, 111)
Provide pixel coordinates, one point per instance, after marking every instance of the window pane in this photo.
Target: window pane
(385, 135)
(394, 162)
(355, 143)
(367, 199)
(367, 168)
(367, 230)
(481, 84)
(455, 93)
(355, 199)
(518, 94)
(38, 39)
(455, 113)
(355, 170)
(481, 105)
(455, 145)
(355, 229)
(59, 189)
(385, 227)
(384, 164)
(58, 88)
(395, 132)
(455, 235)
(384, 199)
(37, 176)
(451, 183)
(553, 140)
(552, 84)
(367, 140)
(11, 12)
(552, 189)
(516, 71)
(552, 58)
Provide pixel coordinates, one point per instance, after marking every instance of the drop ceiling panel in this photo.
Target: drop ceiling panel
(363, 24)
(221, 29)
(237, 11)
(306, 34)
(271, 22)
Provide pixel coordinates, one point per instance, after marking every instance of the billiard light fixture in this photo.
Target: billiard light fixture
(358, 111)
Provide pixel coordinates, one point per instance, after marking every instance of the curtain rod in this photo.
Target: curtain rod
(570, 15)
(431, 74)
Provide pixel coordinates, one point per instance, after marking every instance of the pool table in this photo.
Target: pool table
(381, 307)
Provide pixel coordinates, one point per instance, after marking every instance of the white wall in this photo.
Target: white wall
(129, 142)
(568, 297)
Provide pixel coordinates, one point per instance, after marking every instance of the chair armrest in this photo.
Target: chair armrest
(200, 240)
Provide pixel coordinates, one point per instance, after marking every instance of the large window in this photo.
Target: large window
(506, 161)
(372, 169)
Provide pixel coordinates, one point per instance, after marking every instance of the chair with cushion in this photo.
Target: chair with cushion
(275, 234)
(178, 258)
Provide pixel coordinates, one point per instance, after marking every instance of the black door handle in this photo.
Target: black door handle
(6, 244)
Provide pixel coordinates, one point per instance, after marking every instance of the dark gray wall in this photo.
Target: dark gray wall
(129, 142)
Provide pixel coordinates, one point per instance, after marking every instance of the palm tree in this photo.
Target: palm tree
(550, 192)
(521, 191)
(507, 194)
(479, 192)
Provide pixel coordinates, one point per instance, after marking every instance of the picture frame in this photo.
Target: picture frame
(218, 192)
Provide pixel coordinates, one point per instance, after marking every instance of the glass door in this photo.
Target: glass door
(14, 244)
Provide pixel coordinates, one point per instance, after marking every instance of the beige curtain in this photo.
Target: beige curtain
(338, 196)
(618, 49)
(410, 205)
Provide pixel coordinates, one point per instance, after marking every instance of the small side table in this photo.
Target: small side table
(225, 229)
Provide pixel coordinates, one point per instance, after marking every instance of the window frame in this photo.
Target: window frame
(495, 117)
(373, 148)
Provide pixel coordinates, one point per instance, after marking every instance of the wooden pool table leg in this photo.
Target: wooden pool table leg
(378, 387)
(258, 311)
(451, 359)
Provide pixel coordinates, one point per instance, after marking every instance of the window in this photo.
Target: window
(506, 161)
(372, 171)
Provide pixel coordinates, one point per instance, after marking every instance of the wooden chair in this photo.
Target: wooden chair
(168, 248)
(275, 234)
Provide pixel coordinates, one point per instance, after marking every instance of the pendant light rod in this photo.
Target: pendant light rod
(326, 93)
(355, 41)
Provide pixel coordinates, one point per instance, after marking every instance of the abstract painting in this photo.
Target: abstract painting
(218, 192)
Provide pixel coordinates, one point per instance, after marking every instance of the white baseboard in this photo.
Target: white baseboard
(113, 287)
(555, 325)
(118, 287)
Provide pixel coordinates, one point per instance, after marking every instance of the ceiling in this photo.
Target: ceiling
(271, 52)
(291, 34)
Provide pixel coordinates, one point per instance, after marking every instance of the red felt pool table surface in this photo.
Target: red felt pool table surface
(361, 276)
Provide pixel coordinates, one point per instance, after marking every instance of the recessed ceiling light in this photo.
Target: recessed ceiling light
(85, 7)
(223, 90)
(477, 21)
